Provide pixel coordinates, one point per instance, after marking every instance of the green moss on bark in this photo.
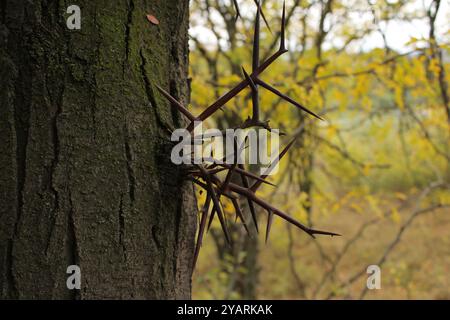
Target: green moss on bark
(86, 172)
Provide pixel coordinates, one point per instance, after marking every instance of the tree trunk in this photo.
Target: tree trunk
(85, 171)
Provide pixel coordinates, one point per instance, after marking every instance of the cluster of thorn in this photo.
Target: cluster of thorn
(205, 175)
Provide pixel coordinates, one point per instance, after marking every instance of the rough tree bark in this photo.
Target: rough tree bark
(85, 170)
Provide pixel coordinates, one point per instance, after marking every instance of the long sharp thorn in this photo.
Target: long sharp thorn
(202, 226)
(236, 7)
(177, 104)
(249, 79)
(254, 176)
(255, 96)
(255, 62)
(280, 156)
(224, 185)
(249, 194)
(285, 97)
(283, 31)
(251, 206)
(263, 16)
(256, 36)
(235, 90)
(240, 86)
(201, 184)
(248, 174)
(217, 170)
(326, 233)
(266, 63)
(227, 179)
(216, 202)
(204, 186)
(211, 218)
(222, 161)
(239, 169)
(239, 214)
(220, 215)
(269, 224)
(223, 188)
(286, 149)
(266, 173)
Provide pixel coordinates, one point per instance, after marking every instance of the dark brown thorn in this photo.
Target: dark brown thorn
(249, 201)
(249, 79)
(248, 174)
(255, 97)
(227, 180)
(224, 185)
(232, 197)
(237, 151)
(239, 214)
(249, 194)
(285, 97)
(236, 7)
(216, 170)
(283, 31)
(256, 36)
(229, 175)
(177, 104)
(231, 168)
(266, 63)
(266, 173)
(269, 224)
(211, 218)
(218, 209)
(263, 16)
(200, 184)
(216, 161)
(216, 202)
(235, 90)
(216, 105)
(202, 226)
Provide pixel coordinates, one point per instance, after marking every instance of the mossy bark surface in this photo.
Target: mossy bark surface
(85, 170)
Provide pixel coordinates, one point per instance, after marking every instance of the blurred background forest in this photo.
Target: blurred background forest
(376, 171)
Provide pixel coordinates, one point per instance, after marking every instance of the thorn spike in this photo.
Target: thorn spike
(236, 7)
(255, 61)
(216, 204)
(239, 214)
(257, 184)
(263, 16)
(283, 31)
(250, 195)
(202, 228)
(285, 97)
(255, 96)
(269, 224)
(256, 37)
(249, 79)
(177, 104)
(251, 206)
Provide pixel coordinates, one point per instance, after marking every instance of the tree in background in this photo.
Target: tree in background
(381, 160)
